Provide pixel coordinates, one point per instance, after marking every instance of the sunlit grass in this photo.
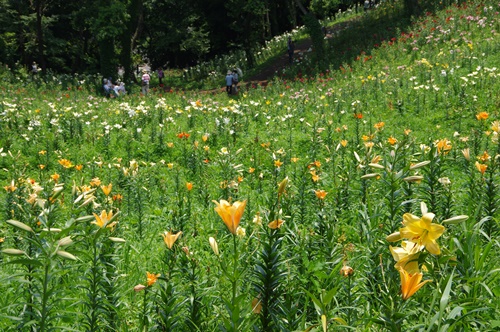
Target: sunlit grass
(399, 144)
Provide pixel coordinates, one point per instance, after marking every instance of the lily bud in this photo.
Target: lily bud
(420, 164)
(396, 236)
(282, 186)
(373, 165)
(13, 252)
(65, 241)
(20, 225)
(57, 190)
(117, 239)
(214, 245)
(346, 271)
(466, 153)
(371, 176)
(139, 288)
(414, 178)
(66, 255)
(455, 220)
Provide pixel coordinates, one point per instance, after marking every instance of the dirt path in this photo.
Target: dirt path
(269, 72)
(262, 78)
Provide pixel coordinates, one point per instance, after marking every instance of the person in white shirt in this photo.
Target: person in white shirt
(145, 82)
(235, 81)
(119, 89)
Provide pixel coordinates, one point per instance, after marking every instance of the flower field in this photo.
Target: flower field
(363, 198)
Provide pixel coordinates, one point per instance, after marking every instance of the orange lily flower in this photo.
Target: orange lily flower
(152, 278)
(410, 283)
(231, 214)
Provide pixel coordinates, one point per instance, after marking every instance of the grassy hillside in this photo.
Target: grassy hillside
(350, 186)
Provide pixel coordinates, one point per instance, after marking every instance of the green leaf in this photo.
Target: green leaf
(495, 323)
(340, 320)
(329, 296)
(317, 303)
(26, 261)
(455, 312)
(445, 298)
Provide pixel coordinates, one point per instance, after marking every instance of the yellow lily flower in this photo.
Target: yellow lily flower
(169, 238)
(95, 182)
(406, 256)
(107, 189)
(230, 214)
(11, 188)
(275, 224)
(103, 219)
(422, 232)
(65, 163)
(410, 283)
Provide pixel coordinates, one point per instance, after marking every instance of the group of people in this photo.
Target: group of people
(117, 89)
(368, 4)
(113, 90)
(146, 78)
(232, 82)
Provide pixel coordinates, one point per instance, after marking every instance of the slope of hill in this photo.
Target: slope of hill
(359, 197)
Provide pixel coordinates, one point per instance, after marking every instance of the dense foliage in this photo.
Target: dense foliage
(92, 36)
(108, 218)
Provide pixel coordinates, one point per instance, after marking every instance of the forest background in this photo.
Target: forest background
(92, 36)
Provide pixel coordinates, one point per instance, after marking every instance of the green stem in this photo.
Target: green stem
(234, 282)
(144, 311)
(93, 288)
(349, 300)
(235, 270)
(43, 318)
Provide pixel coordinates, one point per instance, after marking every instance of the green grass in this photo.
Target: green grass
(396, 125)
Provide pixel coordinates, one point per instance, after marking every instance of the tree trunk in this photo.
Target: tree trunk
(412, 7)
(301, 7)
(133, 33)
(39, 35)
(106, 54)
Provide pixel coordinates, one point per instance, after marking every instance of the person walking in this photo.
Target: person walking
(145, 82)
(291, 49)
(34, 69)
(229, 83)
(235, 81)
(160, 75)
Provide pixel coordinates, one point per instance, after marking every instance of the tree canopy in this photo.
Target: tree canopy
(94, 36)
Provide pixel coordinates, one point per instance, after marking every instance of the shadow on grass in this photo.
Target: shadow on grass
(362, 36)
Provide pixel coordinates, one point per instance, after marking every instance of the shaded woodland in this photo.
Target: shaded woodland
(91, 36)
